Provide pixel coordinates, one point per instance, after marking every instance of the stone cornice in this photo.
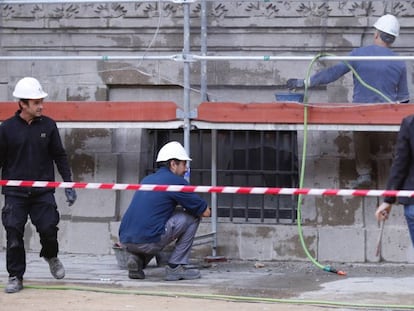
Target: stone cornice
(216, 11)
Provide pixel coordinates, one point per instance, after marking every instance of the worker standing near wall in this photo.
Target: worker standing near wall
(30, 146)
(152, 220)
(401, 175)
(387, 76)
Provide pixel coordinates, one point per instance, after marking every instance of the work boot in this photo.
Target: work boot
(13, 285)
(135, 266)
(180, 273)
(56, 267)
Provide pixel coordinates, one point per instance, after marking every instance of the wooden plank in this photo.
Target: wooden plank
(222, 112)
(156, 111)
(285, 113)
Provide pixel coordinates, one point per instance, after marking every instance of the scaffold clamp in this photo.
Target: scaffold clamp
(180, 114)
(184, 58)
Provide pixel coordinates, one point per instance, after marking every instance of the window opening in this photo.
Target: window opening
(245, 158)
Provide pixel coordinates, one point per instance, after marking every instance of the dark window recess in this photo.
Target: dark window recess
(244, 158)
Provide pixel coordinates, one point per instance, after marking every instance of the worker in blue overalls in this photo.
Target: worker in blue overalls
(389, 77)
(152, 220)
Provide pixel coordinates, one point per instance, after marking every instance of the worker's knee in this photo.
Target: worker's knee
(46, 220)
(9, 219)
(47, 232)
(14, 239)
(14, 227)
(185, 219)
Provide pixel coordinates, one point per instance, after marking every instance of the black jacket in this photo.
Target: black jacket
(402, 169)
(29, 151)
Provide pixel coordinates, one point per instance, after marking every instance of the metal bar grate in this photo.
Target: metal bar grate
(245, 158)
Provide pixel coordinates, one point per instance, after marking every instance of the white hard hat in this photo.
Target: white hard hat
(172, 150)
(389, 24)
(28, 88)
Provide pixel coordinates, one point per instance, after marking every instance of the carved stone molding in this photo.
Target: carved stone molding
(216, 10)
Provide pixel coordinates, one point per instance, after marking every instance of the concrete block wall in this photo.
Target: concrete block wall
(335, 228)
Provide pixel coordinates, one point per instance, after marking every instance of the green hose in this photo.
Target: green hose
(303, 165)
(304, 152)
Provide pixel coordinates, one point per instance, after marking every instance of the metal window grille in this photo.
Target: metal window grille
(245, 158)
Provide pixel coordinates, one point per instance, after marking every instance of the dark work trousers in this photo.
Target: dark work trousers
(181, 228)
(44, 216)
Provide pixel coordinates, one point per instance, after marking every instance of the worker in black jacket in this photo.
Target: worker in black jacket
(30, 146)
(401, 175)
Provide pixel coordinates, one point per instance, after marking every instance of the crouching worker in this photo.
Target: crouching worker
(152, 220)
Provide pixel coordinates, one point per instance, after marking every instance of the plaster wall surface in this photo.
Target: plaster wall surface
(334, 228)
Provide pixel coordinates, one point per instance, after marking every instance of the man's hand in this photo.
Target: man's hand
(383, 211)
(295, 84)
(206, 213)
(70, 196)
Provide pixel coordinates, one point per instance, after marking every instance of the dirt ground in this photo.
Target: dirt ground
(72, 300)
(97, 283)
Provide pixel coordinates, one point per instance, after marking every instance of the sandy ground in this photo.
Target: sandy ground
(95, 282)
(69, 300)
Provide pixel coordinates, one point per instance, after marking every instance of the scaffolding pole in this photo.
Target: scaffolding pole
(186, 57)
(186, 96)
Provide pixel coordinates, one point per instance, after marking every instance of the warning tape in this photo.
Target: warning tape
(209, 189)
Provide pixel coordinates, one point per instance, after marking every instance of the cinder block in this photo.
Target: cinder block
(396, 217)
(85, 237)
(369, 206)
(203, 243)
(228, 243)
(325, 172)
(396, 243)
(95, 203)
(127, 141)
(128, 172)
(372, 236)
(309, 211)
(287, 245)
(339, 211)
(341, 244)
(90, 204)
(88, 141)
(256, 242)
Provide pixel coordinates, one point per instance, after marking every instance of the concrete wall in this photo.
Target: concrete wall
(334, 228)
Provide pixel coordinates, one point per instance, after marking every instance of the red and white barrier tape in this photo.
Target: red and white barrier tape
(209, 189)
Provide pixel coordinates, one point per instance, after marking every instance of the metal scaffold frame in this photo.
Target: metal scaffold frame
(184, 57)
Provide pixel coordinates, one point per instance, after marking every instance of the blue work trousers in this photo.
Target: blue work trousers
(409, 216)
(181, 228)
